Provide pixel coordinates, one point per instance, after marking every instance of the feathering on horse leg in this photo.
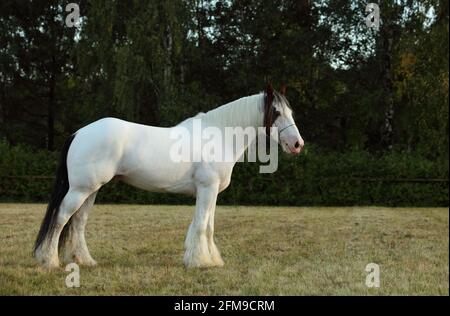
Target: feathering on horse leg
(76, 249)
(213, 250)
(48, 253)
(197, 252)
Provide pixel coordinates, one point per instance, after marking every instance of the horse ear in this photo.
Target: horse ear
(283, 90)
(269, 89)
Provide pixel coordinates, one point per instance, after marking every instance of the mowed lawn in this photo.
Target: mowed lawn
(267, 251)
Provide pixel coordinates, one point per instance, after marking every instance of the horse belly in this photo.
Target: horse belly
(173, 180)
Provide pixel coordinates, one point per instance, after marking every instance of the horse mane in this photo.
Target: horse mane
(243, 112)
(269, 96)
(254, 110)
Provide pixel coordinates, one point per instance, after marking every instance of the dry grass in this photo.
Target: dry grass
(267, 251)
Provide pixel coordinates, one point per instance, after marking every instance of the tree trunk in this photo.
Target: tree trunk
(168, 48)
(386, 34)
(199, 7)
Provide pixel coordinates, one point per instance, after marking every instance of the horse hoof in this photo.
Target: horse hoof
(218, 262)
(89, 263)
(192, 264)
(50, 265)
(198, 265)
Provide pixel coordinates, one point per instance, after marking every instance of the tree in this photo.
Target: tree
(35, 48)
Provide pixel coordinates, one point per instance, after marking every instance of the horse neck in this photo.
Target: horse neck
(245, 112)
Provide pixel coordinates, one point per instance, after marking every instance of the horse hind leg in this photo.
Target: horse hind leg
(75, 247)
(47, 253)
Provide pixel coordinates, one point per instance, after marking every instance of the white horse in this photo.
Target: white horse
(139, 155)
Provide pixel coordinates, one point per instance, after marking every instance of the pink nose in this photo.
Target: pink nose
(298, 146)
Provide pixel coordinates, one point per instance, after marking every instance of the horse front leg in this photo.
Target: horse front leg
(197, 253)
(213, 250)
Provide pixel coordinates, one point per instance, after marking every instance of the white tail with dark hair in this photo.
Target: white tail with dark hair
(139, 155)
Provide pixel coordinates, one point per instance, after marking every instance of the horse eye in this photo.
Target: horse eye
(276, 112)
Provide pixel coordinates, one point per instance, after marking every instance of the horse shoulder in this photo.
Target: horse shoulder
(225, 171)
(206, 175)
(215, 174)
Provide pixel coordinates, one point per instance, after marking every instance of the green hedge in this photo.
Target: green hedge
(315, 177)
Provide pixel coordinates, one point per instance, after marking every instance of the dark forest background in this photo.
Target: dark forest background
(372, 105)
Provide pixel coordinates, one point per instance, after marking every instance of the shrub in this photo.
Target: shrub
(315, 177)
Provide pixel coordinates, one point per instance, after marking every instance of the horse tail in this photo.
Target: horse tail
(60, 189)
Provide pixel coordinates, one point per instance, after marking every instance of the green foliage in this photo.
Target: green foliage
(316, 177)
(159, 62)
(352, 178)
(19, 161)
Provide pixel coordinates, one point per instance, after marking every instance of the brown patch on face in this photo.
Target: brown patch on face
(268, 111)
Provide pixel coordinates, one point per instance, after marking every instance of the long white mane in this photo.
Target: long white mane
(244, 112)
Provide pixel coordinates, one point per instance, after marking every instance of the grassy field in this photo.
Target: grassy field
(267, 251)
